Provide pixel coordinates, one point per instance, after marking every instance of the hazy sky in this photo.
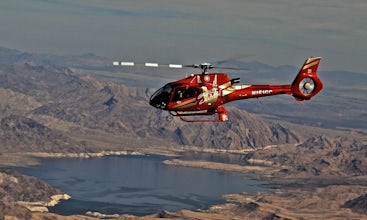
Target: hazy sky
(191, 31)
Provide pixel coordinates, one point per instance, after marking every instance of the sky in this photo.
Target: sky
(274, 32)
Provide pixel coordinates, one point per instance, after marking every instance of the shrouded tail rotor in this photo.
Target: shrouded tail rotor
(307, 84)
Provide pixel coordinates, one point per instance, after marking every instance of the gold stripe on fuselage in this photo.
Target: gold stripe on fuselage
(231, 89)
(185, 104)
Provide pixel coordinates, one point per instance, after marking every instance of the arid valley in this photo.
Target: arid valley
(312, 154)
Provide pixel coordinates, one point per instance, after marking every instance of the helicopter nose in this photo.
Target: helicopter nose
(159, 100)
(153, 102)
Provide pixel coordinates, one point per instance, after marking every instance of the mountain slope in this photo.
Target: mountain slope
(65, 109)
(319, 156)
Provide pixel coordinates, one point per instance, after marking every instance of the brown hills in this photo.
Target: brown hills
(15, 187)
(318, 156)
(48, 108)
(63, 109)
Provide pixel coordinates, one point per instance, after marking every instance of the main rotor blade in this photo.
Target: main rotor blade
(229, 68)
(175, 66)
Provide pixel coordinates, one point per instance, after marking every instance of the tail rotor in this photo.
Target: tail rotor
(307, 84)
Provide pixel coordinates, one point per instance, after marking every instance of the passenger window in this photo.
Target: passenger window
(183, 93)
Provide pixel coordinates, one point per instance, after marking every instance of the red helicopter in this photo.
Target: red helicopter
(205, 93)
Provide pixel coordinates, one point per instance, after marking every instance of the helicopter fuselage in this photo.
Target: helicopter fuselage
(204, 94)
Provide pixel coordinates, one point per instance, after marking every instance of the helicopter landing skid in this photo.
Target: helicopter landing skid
(183, 116)
(222, 115)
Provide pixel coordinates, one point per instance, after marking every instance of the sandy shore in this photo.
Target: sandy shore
(42, 206)
(33, 158)
(255, 168)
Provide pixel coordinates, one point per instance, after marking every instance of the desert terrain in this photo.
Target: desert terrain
(313, 154)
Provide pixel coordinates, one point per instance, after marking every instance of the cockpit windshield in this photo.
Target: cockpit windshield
(167, 88)
(174, 93)
(161, 97)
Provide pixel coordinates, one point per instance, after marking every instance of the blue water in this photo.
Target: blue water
(137, 185)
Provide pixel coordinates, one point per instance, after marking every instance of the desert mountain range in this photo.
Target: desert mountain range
(54, 108)
(48, 107)
(77, 104)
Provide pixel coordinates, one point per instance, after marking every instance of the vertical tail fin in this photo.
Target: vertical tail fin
(307, 84)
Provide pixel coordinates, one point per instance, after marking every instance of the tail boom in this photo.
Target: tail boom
(304, 87)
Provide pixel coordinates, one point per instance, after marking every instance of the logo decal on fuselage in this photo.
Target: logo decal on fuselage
(208, 96)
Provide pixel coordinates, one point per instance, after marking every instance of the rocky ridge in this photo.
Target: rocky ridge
(22, 194)
(358, 204)
(68, 110)
(318, 156)
(53, 109)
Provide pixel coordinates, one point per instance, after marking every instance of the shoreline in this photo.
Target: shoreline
(254, 168)
(278, 202)
(41, 206)
(28, 159)
(17, 159)
(34, 158)
(85, 155)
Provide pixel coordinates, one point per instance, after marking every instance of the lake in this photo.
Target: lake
(138, 185)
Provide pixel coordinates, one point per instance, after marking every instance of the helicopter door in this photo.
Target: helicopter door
(182, 93)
